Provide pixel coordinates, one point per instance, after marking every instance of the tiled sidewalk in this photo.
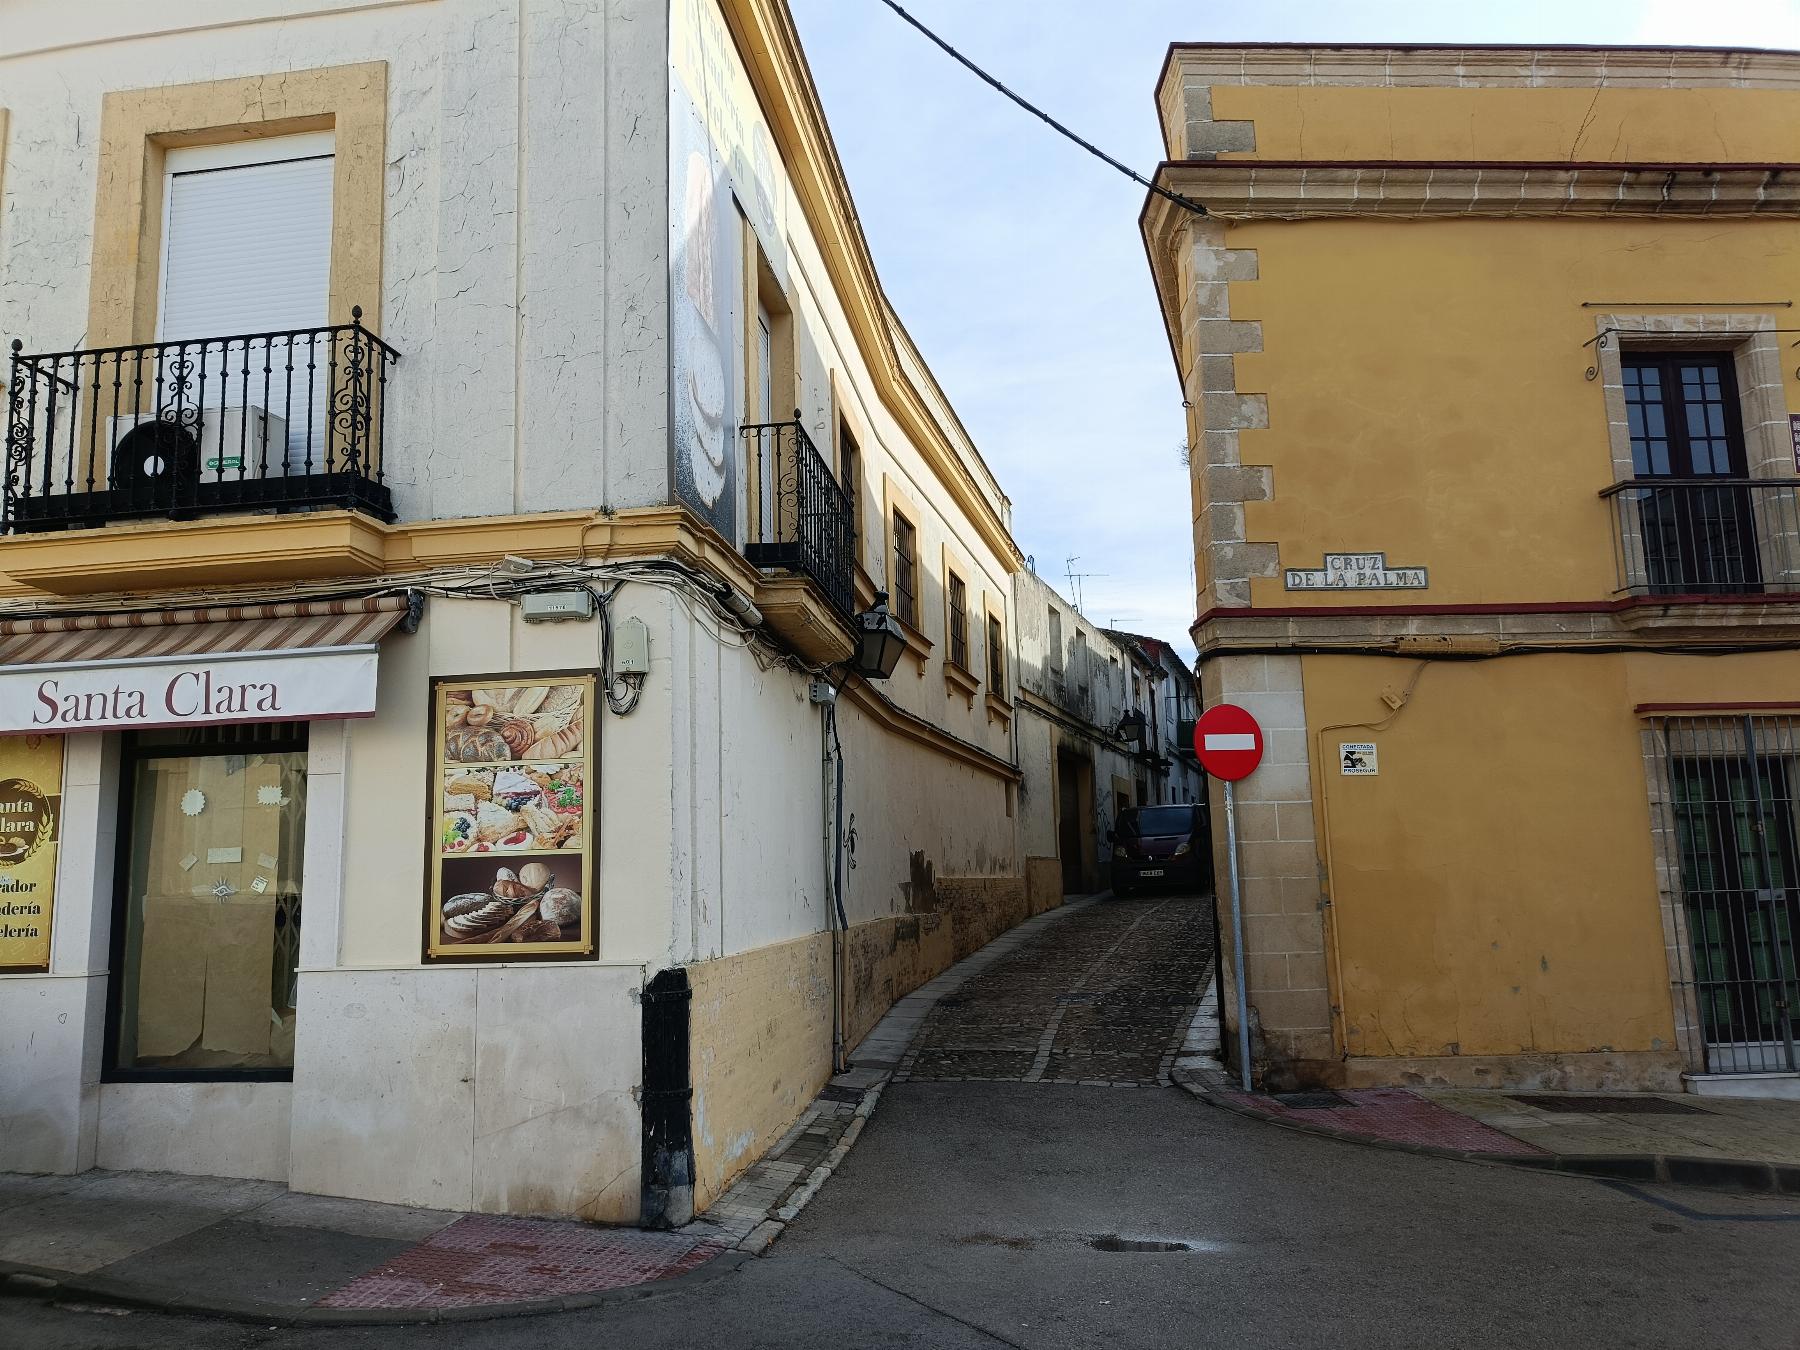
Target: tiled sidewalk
(1665, 1123)
(255, 1249)
(485, 1259)
(1393, 1115)
(1721, 1142)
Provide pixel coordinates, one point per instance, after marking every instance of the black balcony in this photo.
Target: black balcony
(1706, 536)
(804, 516)
(265, 422)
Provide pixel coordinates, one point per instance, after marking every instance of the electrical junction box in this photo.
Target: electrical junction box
(630, 648)
(551, 606)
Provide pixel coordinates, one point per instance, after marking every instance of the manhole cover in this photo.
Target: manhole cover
(831, 1092)
(1609, 1106)
(1112, 1242)
(1321, 1100)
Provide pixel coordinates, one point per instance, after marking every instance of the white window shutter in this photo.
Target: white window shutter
(247, 249)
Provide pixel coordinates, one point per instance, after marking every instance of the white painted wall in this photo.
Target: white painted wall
(525, 231)
(209, 1129)
(1098, 684)
(52, 1025)
(749, 853)
(525, 285)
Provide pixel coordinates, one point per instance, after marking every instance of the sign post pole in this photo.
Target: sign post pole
(1237, 935)
(1230, 746)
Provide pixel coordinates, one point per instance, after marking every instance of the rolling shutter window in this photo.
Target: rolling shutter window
(248, 245)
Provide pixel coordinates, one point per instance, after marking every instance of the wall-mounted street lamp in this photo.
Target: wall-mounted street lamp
(1131, 727)
(879, 641)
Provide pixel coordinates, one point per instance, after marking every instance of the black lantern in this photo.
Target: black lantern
(1132, 726)
(879, 641)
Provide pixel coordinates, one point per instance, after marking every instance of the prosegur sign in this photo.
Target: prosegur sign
(1356, 572)
(30, 810)
(282, 686)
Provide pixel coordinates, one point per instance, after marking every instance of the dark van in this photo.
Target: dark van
(1165, 847)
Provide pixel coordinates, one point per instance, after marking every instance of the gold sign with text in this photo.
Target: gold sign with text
(30, 811)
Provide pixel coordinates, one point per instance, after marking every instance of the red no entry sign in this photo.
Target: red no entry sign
(1229, 742)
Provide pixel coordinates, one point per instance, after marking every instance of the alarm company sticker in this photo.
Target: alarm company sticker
(1356, 759)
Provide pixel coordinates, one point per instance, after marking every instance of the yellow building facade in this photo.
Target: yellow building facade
(1490, 356)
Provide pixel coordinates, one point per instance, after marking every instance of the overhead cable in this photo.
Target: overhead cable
(1187, 203)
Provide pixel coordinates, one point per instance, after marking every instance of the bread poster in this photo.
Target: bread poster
(512, 857)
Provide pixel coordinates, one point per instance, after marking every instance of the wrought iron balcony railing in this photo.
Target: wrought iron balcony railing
(281, 421)
(803, 513)
(1706, 536)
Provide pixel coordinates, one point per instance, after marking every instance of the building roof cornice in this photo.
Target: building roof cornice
(771, 51)
(1313, 189)
(1477, 66)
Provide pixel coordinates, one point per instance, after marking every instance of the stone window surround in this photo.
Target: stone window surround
(138, 125)
(894, 498)
(1755, 348)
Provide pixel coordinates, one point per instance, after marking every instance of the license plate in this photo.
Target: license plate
(1151, 872)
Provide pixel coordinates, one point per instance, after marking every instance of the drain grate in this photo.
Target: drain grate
(1564, 1104)
(1320, 1099)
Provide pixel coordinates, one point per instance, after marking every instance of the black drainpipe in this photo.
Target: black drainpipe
(668, 1165)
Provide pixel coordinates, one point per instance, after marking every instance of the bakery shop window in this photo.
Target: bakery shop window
(207, 936)
(512, 866)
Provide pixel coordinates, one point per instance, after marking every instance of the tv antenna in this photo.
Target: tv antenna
(1075, 580)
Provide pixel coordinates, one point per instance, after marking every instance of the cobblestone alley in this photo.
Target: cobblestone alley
(1102, 998)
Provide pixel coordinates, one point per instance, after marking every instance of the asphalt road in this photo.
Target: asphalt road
(969, 1213)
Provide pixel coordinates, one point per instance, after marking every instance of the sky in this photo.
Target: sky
(1014, 260)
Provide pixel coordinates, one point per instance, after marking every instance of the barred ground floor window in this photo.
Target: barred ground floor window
(1726, 790)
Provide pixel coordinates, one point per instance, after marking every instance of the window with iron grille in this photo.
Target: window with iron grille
(996, 655)
(1726, 791)
(959, 622)
(906, 571)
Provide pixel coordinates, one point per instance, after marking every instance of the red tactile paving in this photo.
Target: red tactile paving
(1394, 1115)
(480, 1259)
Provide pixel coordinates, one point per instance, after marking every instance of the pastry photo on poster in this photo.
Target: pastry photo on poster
(511, 867)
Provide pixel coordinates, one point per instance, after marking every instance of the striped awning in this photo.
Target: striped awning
(58, 640)
(298, 661)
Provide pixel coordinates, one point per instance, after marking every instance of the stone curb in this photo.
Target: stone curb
(1718, 1174)
(34, 1282)
(924, 1000)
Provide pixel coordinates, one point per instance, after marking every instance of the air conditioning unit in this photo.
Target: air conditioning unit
(229, 438)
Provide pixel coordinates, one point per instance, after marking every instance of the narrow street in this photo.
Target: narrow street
(998, 1198)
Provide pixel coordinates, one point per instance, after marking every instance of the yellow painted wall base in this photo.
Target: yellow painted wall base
(1043, 884)
(1644, 1071)
(759, 1050)
(981, 909)
(761, 1020)
(888, 959)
